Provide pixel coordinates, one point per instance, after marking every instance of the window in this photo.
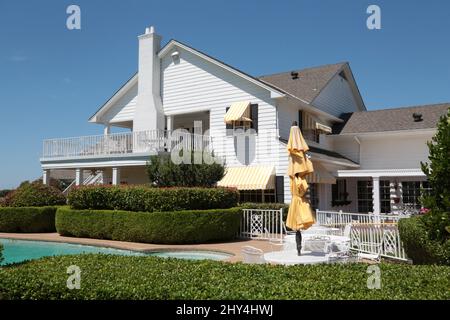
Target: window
(308, 127)
(313, 195)
(385, 196)
(252, 113)
(365, 197)
(412, 191)
(257, 196)
(339, 193)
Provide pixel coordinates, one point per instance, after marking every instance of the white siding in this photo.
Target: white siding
(394, 152)
(194, 84)
(123, 109)
(348, 147)
(336, 98)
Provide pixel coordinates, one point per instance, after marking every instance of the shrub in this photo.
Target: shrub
(27, 219)
(144, 198)
(34, 194)
(108, 277)
(418, 245)
(150, 227)
(267, 206)
(163, 172)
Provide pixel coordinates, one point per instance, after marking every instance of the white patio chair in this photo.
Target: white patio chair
(252, 255)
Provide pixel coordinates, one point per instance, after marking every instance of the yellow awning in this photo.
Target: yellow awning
(249, 178)
(320, 175)
(323, 128)
(239, 111)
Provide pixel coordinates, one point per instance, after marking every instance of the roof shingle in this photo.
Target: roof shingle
(391, 119)
(310, 81)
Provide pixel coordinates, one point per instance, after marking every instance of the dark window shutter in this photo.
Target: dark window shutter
(334, 192)
(254, 116)
(279, 188)
(228, 127)
(300, 120)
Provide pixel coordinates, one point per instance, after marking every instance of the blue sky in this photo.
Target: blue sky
(52, 79)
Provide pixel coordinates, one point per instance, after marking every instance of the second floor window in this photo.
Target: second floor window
(249, 121)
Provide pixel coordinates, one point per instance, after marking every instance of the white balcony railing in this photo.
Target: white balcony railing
(151, 141)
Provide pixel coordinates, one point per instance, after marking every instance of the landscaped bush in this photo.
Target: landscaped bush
(151, 227)
(4, 192)
(148, 199)
(163, 172)
(34, 194)
(418, 245)
(27, 219)
(131, 278)
(267, 206)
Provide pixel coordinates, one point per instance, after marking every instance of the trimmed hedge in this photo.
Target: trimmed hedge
(27, 219)
(34, 194)
(418, 245)
(150, 227)
(150, 278)
(148, 199)
(267, 206)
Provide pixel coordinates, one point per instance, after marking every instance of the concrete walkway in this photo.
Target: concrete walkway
(233, 248)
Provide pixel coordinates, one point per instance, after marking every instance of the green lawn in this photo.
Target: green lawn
(120, 277)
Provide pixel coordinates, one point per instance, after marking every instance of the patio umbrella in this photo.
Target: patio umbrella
(300, 216)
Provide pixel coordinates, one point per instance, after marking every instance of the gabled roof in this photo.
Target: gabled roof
(310, 82)
(391, 119)
(275, 92)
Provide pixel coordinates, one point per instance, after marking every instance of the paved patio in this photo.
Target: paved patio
(233, 247)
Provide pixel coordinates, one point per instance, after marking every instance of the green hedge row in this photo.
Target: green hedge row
(131, 278)
(34, 194)
(151, 227)
(148, 199)
(418, 245)
(27, 219)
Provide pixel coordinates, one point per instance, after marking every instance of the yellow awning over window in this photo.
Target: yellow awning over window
(239, 111)
(320, 175)
(249, 178)
(323, 128)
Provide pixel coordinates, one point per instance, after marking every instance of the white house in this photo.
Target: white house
(364, 160)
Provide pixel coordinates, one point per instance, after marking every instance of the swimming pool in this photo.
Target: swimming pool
(21, 250)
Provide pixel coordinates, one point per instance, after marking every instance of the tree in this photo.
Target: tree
(162, 172)
(438, 174)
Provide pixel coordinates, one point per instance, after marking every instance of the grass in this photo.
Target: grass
(120, 277)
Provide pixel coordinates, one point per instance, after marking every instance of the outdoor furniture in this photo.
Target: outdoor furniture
(252, 255)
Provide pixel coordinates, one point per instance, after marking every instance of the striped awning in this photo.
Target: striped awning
(239, 111)
(249, 178)
(320, 175)
(323, 128)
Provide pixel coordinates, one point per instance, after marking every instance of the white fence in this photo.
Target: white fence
(369, 232)
(262, 224)
(124, 143)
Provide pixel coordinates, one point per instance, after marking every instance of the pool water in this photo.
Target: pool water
(22, 250)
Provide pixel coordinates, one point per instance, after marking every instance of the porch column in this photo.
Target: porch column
(107, 129)
(46, 176)
(78, 177)
(376, 194)
(169, 132)
(115, 176)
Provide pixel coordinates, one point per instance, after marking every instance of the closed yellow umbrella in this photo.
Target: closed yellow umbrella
(300, 216)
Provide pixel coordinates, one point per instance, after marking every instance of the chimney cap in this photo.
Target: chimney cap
(150, 30)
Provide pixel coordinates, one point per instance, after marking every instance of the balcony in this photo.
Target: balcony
(122, 144)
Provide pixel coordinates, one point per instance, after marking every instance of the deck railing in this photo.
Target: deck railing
(124, 143)
(262, 224)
